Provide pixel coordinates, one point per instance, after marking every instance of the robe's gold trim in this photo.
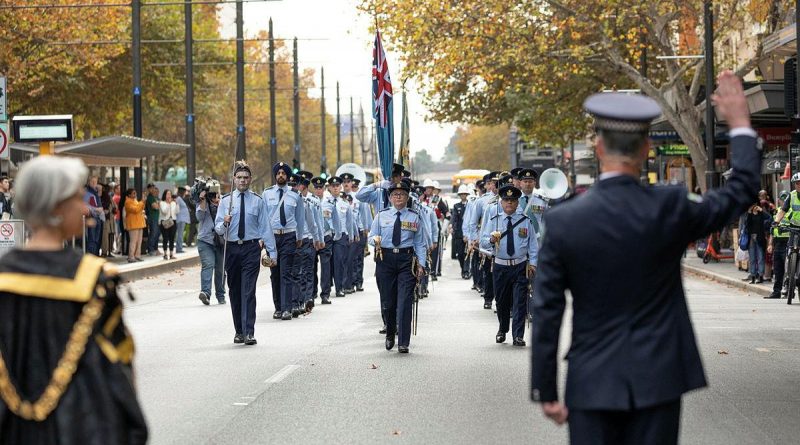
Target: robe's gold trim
(113, 321)
(79, 289)
(62, 375)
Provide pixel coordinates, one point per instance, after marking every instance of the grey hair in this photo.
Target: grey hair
(622, 143)
(45, 182)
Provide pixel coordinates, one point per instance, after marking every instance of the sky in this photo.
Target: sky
(344, 48)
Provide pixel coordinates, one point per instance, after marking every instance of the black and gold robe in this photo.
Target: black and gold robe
(65, 355)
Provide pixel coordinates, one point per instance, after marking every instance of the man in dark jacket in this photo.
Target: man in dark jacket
(618, 249)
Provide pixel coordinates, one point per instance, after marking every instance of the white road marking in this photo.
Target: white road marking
(282, 374)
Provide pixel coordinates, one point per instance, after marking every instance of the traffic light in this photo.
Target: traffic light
(322, 174)
(295, 166)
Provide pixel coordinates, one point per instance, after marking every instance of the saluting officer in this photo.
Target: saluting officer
(509, 234)
(341, 245)
(287, 217)
(456, 229)
(618, 249)
(313, 239)
(377, 193)
(242, 219)
(398, 232)
(331, 230)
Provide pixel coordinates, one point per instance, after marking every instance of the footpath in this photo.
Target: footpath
(724, 272)
(154, 265)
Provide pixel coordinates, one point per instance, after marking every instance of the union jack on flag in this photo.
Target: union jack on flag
(381, 84)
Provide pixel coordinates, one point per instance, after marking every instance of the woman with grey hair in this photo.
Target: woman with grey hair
(65, 354)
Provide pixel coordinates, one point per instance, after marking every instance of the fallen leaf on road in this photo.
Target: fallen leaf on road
(722, 352)
(373, 366)
(396, 433)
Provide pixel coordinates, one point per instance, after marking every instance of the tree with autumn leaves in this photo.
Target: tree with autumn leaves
(532, 62)
(49, 72)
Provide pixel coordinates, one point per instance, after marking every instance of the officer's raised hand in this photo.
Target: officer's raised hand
(730, 102)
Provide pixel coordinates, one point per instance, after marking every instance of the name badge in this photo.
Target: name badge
(326, 213)
(408, 225)
(537, 209)
(523, 232)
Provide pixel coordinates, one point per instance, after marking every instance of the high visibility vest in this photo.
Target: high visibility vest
(794, 208)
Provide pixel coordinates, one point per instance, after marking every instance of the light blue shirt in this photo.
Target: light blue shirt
(476, 215)
(366, 215)
(376, 195)
(313, 229)
(183, 211)
(292, 209)
(467, 214)
(256, 224)
(411, 233)
(533, 206)
(206, 230)
(332, 224)
(346, 216)
(522, 236)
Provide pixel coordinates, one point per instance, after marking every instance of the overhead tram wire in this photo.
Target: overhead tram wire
(159, 41)
(128, 5)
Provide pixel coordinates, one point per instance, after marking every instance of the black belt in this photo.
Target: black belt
(240, 242)
(400, 250)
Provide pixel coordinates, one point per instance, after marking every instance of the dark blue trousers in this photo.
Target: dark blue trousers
(477, 276)
(283, 276)
(358, 262)
(396, 286)
(340, 265)
(242, 263)
(511, 290)
(487, 281)
(304, 264)
(657, 425)
(325, 272)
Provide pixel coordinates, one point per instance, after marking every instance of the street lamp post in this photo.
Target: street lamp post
(708, 23)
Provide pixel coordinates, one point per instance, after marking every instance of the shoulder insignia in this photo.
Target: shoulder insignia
(413, 211)
(255, 194)
(694, 197)
(225, 195)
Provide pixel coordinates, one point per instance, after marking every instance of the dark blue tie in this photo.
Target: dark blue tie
(509, 238)
(385, 198)
(241, 216)
(396, 231)
(283, 213)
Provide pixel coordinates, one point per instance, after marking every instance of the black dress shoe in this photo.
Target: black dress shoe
(204, 298)
(325, 300)
(359, 289)
(383, 330)
(487, 305)
(389, 342)
(433, 278)
(295, 312)
(340, 294)
(500, 337)
(753, 280)
(760, 280)
(772, 296)
(276, 315)
(309, 305)
(286, 315)
(250, 340)
(349, 291)
(402, 349)
(518, 341)
(238, 338)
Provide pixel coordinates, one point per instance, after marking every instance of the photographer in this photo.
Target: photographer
(209, 246)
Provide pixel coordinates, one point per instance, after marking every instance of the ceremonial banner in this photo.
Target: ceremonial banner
(405, 139)
(382, 107)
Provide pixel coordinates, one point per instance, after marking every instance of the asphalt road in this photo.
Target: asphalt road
(326, 377)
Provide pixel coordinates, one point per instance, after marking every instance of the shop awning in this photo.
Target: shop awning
(111, 151)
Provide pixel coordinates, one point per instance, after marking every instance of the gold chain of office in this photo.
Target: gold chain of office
(62, 376)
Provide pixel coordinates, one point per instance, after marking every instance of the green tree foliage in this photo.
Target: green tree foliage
(423, 162)
(483, 147)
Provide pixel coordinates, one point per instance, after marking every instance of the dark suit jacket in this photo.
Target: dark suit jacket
(457, 219)
(618, 249)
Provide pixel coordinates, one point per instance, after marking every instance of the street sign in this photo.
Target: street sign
(673, 150)
(12, 235)
(3, 96)
(5, 149)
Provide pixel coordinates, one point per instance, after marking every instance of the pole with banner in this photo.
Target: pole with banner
(382, 107)
(405, 138)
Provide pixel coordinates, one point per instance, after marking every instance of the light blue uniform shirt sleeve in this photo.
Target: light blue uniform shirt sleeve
(486, 232)
(434, 226)
(320, 223)
(533, 246)
(266, 232)
(336, 222)
(222, 210)
(299, 215)
(375, 229)
(353, 227)
(420, 248)
(475, 216)
(466, 218)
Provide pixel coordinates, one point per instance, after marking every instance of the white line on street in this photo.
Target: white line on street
(240, 404)
(282, 374)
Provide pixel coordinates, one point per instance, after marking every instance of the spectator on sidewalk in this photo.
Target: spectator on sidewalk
(153, 213)
(94, 229)
(134, 223)
(756, 225)
(109, 227)
(167, 223)
(776, 245)
(182, 220)
(5, 198)
(209, 246)
(765, 203)
(119, 222)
